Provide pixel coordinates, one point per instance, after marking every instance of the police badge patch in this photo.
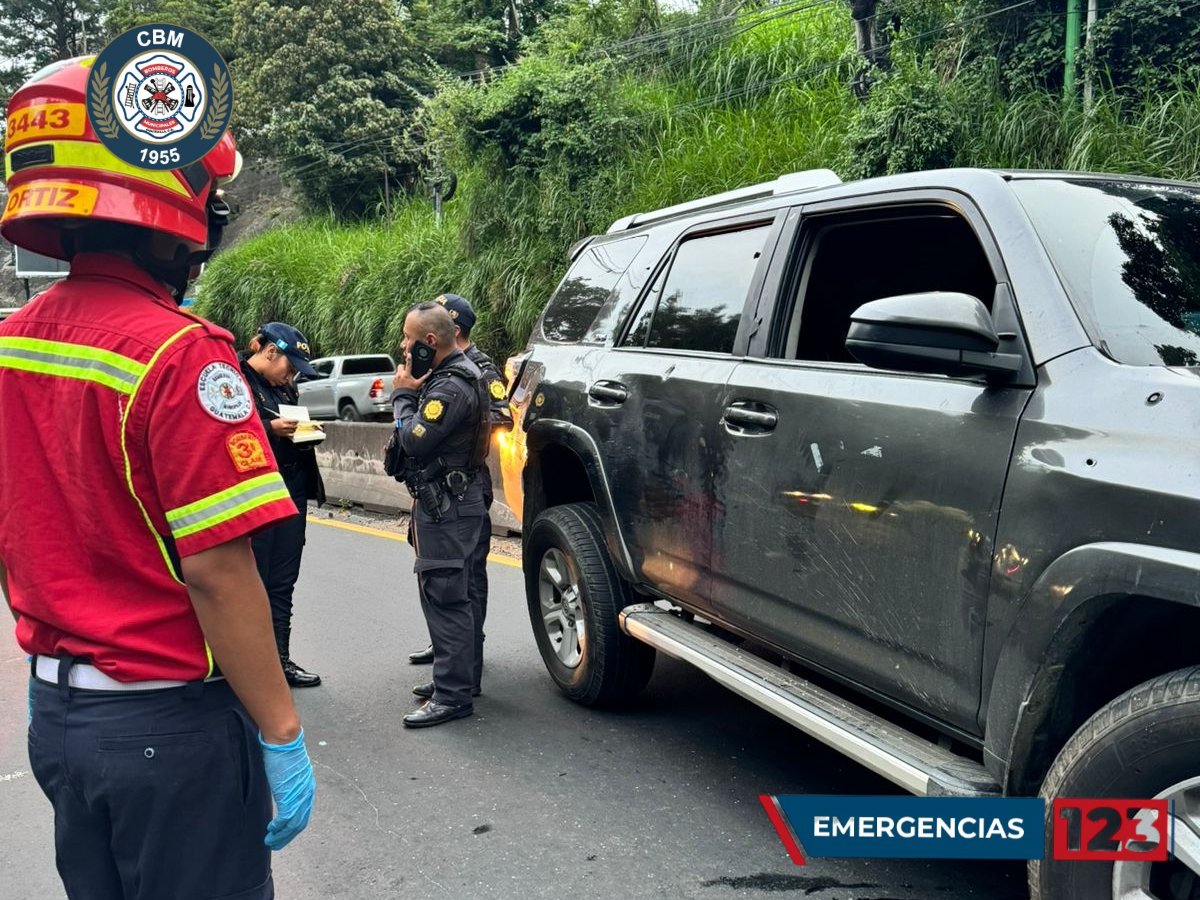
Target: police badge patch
(433, 410)
(496, 389)
(159, 97)
(223, 393)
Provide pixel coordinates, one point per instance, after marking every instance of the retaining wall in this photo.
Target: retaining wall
(351, 461)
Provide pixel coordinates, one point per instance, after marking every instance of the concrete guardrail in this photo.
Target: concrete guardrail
(351, 461)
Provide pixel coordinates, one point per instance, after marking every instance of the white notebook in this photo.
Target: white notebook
(307, 431)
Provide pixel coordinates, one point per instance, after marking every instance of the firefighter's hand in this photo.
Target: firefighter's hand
(290, 774)
(283, 427)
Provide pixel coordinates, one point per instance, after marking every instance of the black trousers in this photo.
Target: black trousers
(159, 795)
(443, 549)
(277, 553)
(477, 589)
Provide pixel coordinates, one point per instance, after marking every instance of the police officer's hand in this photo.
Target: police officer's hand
(403, 379)
(290, 775)
(283, 427)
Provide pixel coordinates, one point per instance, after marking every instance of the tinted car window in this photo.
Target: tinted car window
(368, 365)
(866, 256)
(589, 282)
(1129, 257)
(701, 301)
(323, 366)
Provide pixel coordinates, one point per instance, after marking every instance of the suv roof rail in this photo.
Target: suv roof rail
(784, 184)
(578, 246)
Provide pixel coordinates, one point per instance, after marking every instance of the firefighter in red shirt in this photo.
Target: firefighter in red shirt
(157, 699)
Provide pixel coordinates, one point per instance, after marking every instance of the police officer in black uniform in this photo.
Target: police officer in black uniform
(499, 417)
(442, 424)
(270, 369)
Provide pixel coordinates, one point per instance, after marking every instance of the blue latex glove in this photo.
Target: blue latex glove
(290, 775)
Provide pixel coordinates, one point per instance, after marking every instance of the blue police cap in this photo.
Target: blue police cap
(293, 344)
(459, 309)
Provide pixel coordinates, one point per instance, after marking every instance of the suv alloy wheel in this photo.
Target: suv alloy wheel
(1145, 743)
(574, 596)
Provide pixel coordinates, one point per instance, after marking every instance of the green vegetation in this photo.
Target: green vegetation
(559, 116)
(611, 111)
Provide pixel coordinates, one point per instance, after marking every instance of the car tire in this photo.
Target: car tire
(574, 596)
(348, 412)
(1144, 744)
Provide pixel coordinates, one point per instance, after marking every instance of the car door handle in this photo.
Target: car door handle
(609, 392)
(744, 418)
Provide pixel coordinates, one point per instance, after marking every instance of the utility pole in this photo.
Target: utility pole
(1092, 12)
(1074, 20)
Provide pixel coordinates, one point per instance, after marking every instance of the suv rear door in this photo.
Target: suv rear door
(857, 531)
(655, 400)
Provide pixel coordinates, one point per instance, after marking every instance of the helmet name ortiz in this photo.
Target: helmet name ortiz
(62, 176)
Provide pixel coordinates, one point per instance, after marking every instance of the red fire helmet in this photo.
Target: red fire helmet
(57, 170)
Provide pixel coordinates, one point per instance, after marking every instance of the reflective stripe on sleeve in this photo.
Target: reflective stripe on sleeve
(62, 360)
(222, 506)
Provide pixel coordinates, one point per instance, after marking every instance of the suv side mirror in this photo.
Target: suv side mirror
(939, 333)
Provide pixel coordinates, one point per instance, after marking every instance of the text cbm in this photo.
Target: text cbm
(156, 37)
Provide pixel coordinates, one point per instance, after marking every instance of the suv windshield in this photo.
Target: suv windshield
(1129, 257)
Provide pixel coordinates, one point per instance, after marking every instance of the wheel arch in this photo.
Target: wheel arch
(563, 466)
(1101, 619)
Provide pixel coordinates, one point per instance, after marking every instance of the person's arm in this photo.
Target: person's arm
(234, 614)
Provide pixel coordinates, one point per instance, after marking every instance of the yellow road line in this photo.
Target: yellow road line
(392, 536)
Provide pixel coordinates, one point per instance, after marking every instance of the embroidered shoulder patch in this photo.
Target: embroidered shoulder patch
(223, 393)
(496, 389)
(433, 410)
(246, 451)
(418, 430)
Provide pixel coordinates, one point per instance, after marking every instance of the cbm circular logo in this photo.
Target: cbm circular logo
(159, 97)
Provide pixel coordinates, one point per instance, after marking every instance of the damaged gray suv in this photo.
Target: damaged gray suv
(913, 463)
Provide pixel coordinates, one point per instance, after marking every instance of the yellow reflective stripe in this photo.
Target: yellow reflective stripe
(97, 157)
(162, 547)
(215, 509)
(62, 360)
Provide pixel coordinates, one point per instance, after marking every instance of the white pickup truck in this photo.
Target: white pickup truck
(350, 388)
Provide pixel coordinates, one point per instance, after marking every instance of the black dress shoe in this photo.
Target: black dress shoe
(422, 657)
(426, 690)
(436, 713)
(297, 677)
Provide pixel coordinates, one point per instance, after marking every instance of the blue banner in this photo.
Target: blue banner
(915, 827)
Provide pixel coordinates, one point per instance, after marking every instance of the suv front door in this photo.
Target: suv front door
(856, 532)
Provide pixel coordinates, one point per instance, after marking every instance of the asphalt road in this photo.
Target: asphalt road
(533, 796)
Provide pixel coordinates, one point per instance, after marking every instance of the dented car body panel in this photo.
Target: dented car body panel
(929, 542)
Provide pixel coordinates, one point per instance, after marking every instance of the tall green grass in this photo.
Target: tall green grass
(770, 97)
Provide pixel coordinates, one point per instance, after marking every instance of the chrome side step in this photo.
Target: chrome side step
(915, 764)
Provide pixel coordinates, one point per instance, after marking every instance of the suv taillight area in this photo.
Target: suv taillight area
(377, 389)
(513, 367)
